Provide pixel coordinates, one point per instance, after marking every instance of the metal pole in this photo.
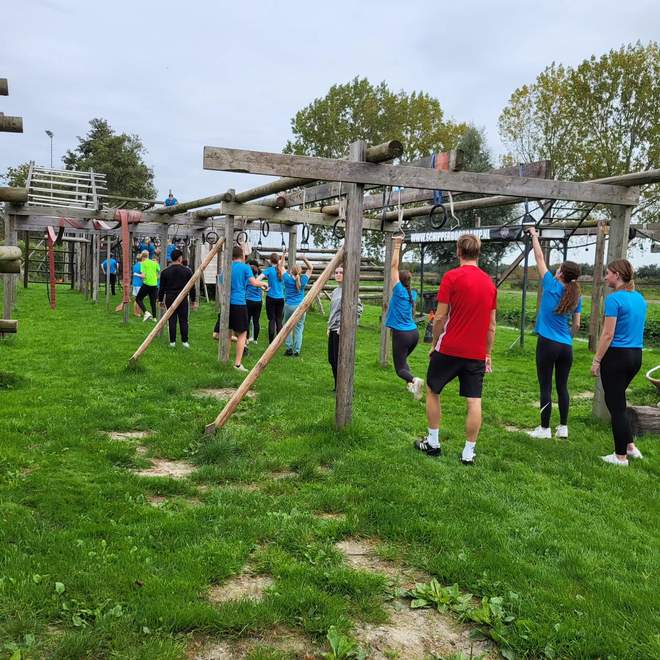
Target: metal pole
(421, 276)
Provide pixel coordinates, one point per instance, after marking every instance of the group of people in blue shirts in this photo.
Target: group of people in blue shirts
(618, 356)
(285, 291)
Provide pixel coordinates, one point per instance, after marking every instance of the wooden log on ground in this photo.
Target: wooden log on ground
(644, 420)
(177, 301)
(11, 124)
(272, 349)
(4, 87)
(8, 326)
(13, 195)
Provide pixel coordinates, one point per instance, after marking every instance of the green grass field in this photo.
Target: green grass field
(90, 569)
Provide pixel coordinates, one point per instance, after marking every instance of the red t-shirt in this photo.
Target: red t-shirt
(471, 296)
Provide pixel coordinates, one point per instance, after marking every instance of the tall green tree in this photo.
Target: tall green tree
(16, 176)
(359, 110)
(119, 156)
(598, 119)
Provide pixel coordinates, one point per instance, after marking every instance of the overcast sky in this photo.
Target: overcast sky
(187, 74)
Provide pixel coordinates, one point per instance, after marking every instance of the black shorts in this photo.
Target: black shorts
(444, 368)
(238, 318)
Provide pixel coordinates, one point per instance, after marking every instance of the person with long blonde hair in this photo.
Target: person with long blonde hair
(618, 356)
(295, 282)
(557, 322)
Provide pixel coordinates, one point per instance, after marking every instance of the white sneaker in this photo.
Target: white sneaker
(173, 344)
(635, 453)
(185, 344)
(611, 458)
(239, 367)
(146, 317)
(561, 432)
(417, 388)
(540, 433)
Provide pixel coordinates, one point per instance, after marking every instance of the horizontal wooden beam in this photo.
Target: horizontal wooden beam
(10, 252)
(258, 162)
(10, 124)
(292, 217)
(13, 195)
(632, 179)
(193, 204)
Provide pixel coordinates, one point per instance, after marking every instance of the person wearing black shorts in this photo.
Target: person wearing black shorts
(275, 296)
(463, 336)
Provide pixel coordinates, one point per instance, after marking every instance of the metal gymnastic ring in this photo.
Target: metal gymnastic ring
(305, 235)
(241, 238)
(211, 238)
(445, 216)
(265, 228)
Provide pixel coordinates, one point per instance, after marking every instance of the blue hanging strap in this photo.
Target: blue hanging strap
(438, 196)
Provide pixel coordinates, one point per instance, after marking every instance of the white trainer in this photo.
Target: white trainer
(146, 317)
(561, 432)
(418, 388)
(172, 344)
(634, 453)
(239, 367)
(611, 458)
(540, 433)
(185, 344)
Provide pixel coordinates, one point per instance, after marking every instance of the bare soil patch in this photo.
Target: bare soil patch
(283, 474)
(141, 450)
(244, 586)
(159, 501)
(512, 429)
(327, 515)
(128, 435)
(222, 394)
(583, 395)
(411, 634)
(279, 638)
(161, 467)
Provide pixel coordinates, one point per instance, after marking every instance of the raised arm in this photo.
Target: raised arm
(280, 265)
(394, 268)
(541, 267)
(308, 266)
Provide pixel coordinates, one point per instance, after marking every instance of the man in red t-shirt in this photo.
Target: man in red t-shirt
(463, 335)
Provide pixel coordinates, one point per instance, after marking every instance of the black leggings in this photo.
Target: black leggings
(181, 314)
(152, 292)
(617, 369)
(333, 352)
(403, 344)
(275, 313)
(553, 355)
(254, 312)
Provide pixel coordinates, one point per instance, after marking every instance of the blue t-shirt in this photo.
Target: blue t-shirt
(137, 281)
(549, 324)
(170, 248)
(171, 202)
(293, 296)
(274, 282)
(240, 276)
(253, 293)
(113, 265)
(629, 309)
(400, 311)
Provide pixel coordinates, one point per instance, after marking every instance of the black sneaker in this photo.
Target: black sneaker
(288, 352)
(296, 355)
(422, 445)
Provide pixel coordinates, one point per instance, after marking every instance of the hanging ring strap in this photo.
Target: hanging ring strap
(212, 238)
(305, 235)
(338, 231)
(400, 208)
(438, 221)
(455, 221)
(265, 228)
(241, 238)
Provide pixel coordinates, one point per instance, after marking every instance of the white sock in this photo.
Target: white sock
(432, 438)
(468, 450)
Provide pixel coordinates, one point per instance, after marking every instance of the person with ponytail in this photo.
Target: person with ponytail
(275, 296)
(557, 321)
(294, 291)
(399, 320)
(618, 356)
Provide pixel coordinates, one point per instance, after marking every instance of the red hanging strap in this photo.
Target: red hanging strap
(125, 217)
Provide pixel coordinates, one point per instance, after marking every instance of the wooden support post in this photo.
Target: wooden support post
(617, 248)
(350, 290)
(277, 342)
(293, 245)
(26, 261)
(107, 270)
(224, 340)
(96, 273)
(8, 326)
(9, 293)
(177, 301)
(387, 292)
(597, 288)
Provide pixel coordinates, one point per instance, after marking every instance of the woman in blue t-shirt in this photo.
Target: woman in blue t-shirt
(275, 296)
(400, 321)
(254, 300)
(295, 282)
(618, 357)
(557, 321)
